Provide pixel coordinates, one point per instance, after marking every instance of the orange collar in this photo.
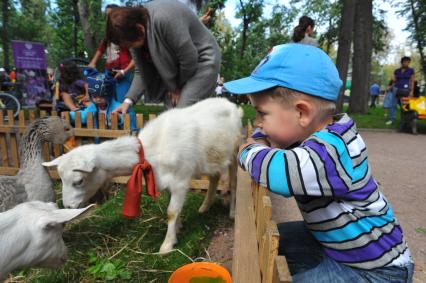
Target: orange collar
(132, 198)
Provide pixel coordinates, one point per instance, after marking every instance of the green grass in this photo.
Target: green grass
(106, 246)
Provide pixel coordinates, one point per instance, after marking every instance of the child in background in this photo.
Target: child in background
(101, 89)
(72, 88)
(389, 101)
(349, 232)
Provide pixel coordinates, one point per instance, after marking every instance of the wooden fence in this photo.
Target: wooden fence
(256, 236)
(11, 131)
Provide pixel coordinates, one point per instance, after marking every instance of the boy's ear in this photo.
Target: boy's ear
(306, 112)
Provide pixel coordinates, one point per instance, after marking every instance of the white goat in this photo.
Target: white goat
(31, 235)
(180, 143)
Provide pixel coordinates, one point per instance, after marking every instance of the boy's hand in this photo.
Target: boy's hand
(252, 141)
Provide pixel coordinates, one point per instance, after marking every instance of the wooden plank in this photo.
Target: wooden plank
(31, 116)
(90, 125)
(249, 128)
(13, 140)
(114, 121)
(245, 263)
(126, 122)
(281, 272)
(9, 171)
(265, 213)
(103, 133)
(4, 154)
(78, 125)
(139, 120)
(270, 252)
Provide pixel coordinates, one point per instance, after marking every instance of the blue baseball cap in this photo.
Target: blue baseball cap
(300, 67)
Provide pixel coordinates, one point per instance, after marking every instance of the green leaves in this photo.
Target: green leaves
(107, 269)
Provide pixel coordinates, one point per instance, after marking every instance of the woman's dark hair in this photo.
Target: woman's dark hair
(299, 30)
(111, 6)
(405, 58)
(122, 24)
(69, 72)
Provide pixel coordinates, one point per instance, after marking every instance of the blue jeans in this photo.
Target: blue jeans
(394, 104)
(122, 86)
(308, 263)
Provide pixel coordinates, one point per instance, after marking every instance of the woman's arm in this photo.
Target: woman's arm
(66, 97)
(123, 72)
(95, 59)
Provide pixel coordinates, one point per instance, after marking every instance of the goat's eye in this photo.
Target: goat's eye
(77, 183)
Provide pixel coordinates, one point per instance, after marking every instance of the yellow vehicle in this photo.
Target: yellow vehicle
(413, 109)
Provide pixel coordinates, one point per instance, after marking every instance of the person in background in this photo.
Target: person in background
(219, 87)
(119, 62)
(72, 88)
(374, 94)
(177, 59)
(101, 89)
(402, 85)
(303, 31)
(12, 75)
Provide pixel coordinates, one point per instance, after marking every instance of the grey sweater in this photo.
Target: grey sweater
(183, 54)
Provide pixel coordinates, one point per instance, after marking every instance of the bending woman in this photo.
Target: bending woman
(176, 57)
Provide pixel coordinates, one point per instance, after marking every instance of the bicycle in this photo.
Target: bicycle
(9, 102)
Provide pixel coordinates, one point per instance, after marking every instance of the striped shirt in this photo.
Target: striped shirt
(331, 180)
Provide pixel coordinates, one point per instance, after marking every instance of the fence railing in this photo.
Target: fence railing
(256, 237)
(11, 131)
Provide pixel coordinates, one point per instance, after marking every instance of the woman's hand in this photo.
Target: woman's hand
(174, 96)
(119, 74)
(206, 17)
(123, 108)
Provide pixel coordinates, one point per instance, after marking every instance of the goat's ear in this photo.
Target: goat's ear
(86, 167)
(59, 217)
(54, 162)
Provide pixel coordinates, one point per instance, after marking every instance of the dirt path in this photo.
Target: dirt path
(399, 164)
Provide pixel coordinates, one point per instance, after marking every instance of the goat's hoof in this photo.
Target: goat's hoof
(203, 208)
(165, 248)
(232, 214)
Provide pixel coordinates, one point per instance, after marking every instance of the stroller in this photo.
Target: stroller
(412, 109)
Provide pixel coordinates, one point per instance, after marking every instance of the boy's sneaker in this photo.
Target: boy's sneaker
(389, 122)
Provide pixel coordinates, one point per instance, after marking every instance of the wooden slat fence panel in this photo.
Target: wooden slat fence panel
(84, 134)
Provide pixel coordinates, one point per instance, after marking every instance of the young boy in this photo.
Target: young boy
(101, 91)
(349, 233)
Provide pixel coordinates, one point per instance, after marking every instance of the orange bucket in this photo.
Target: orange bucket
(201, 272)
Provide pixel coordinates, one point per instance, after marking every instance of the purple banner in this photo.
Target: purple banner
(31, 72)
(29, 55)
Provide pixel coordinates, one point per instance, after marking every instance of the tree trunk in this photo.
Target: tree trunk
(418, 37)
(361, 61)
(89, 33)
(4, 33)
(75, 11)
(344, 51)
(244, 36)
